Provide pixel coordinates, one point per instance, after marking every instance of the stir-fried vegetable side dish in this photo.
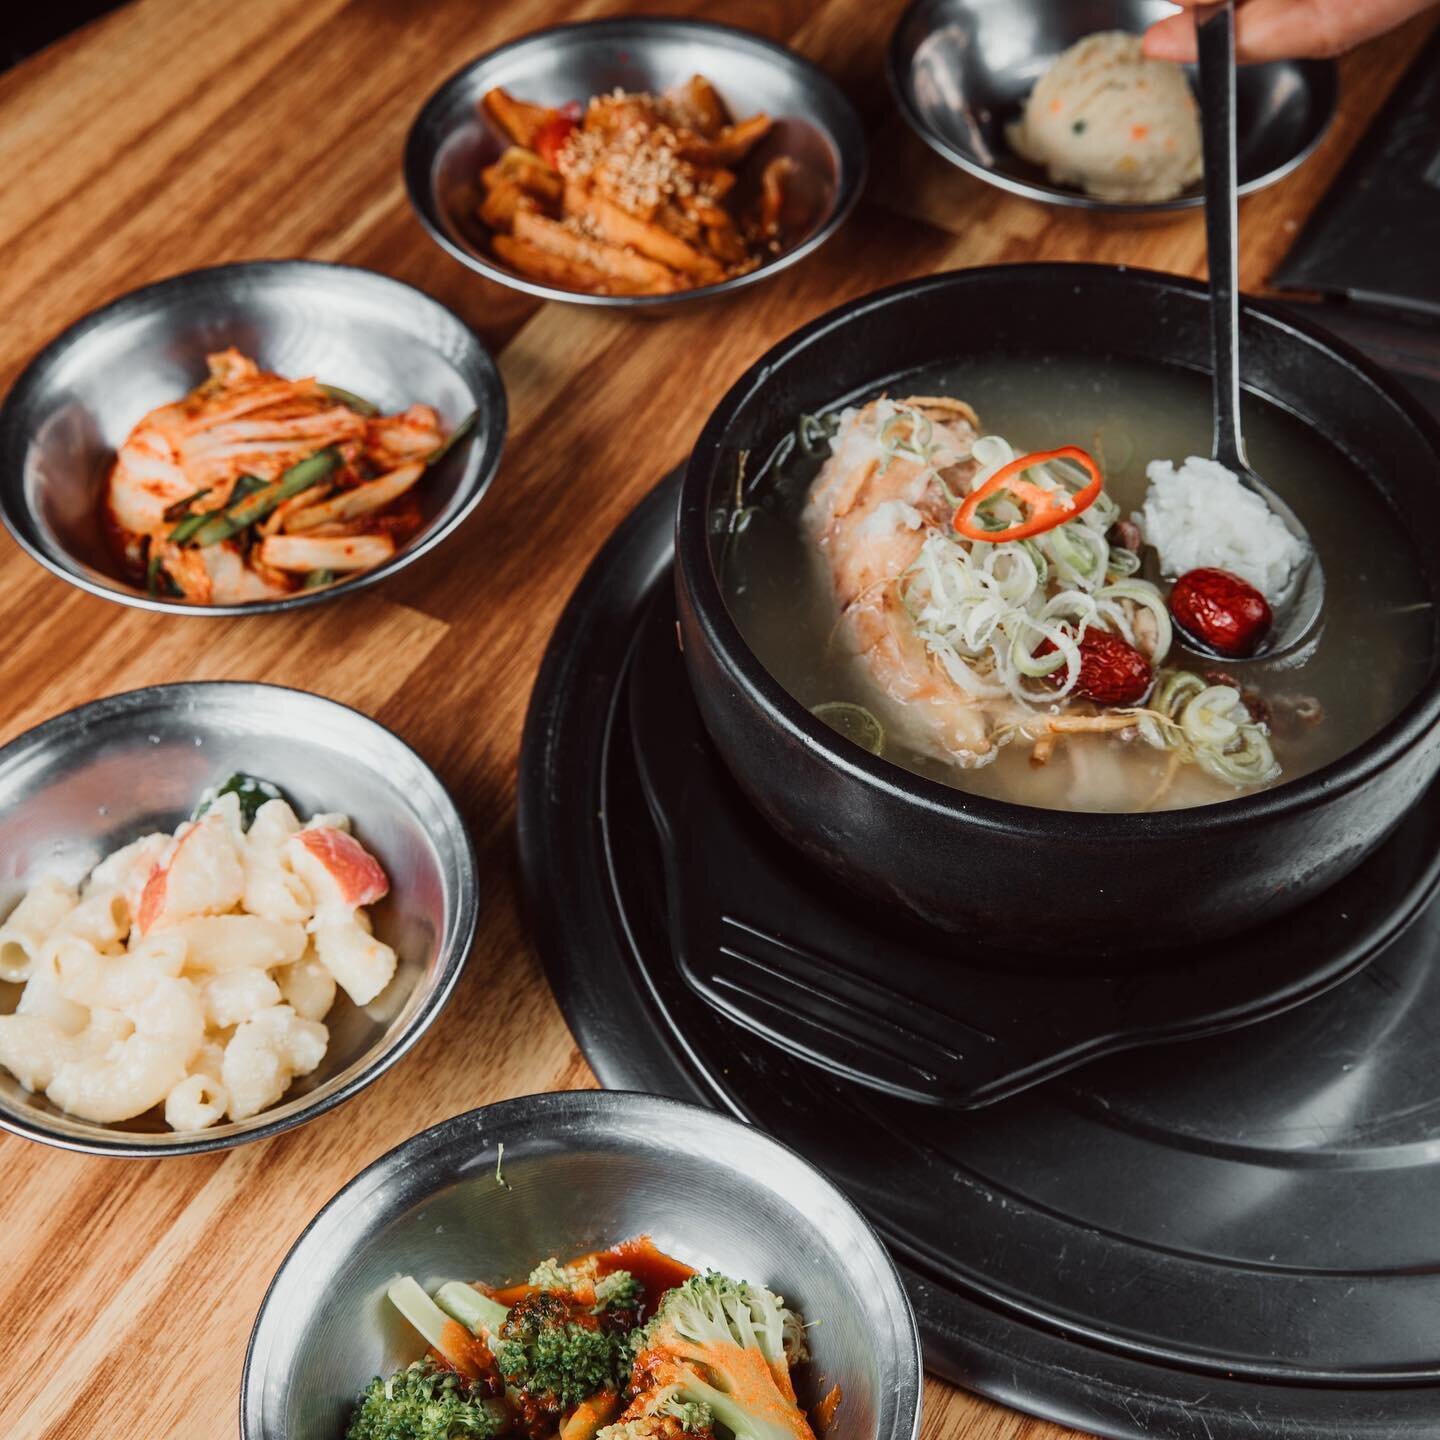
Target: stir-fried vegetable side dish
(253, 486)
(623, 1344)
(637, 195)
(997, 598)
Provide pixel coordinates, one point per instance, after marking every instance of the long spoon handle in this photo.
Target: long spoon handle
(1215, 27)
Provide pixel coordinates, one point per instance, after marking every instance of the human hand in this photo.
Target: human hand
(1285, 29)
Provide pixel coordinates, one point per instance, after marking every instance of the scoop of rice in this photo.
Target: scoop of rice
(1201, 516)
(1111, 121)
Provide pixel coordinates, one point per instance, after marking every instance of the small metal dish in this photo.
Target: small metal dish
(81, 785)
(815, 124)
(960, 71)
(80, 397)
(581, 1170)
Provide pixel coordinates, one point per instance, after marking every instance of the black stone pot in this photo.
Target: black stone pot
(1044, 880)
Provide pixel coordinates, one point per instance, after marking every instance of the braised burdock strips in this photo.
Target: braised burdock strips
(634, 196)
(253, 486)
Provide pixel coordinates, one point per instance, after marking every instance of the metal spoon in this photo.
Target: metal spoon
(1297, 610)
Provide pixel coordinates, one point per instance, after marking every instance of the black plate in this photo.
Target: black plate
(1233, 1237)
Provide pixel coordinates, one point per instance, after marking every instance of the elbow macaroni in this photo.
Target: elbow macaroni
(191, 971)
(42, 910)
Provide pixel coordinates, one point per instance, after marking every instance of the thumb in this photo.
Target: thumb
(1172, 39)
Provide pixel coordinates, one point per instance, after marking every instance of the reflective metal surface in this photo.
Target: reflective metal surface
(93, 779)
(80, 397)
(1298, 609)
(960, 71)
(451, 142)
(581, 1170)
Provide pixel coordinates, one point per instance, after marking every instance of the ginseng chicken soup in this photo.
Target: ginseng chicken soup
(988, 574)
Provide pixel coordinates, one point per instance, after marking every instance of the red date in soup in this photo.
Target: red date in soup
(1220, 610)
(1112, 672)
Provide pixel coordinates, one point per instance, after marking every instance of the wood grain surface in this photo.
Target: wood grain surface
(181, 133)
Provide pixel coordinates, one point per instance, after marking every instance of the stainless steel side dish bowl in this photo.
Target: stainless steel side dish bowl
(77, 788)
(483, 1194)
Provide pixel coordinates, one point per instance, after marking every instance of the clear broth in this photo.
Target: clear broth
(1371, 658)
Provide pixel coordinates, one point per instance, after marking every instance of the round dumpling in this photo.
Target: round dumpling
(1118, 126)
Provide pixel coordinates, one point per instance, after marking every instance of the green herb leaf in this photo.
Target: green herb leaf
(252, 791)
(316, 578)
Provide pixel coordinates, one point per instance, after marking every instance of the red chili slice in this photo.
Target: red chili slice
(1047, 508)
(553, 134)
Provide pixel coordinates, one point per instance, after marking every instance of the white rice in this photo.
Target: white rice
(1201, 516)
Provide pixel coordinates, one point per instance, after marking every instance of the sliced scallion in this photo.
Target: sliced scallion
(357, 403)
(181, 508)
(187, 527)
(813, 434)
(254, 507)
(854, 722)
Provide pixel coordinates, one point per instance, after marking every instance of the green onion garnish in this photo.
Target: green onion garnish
(358, 403)
(246, 485)
(187, 527)
(158, 580)
(316, 578)
(181, 508)
(255, 506)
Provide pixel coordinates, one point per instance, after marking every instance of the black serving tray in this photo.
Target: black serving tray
(1230, 1237)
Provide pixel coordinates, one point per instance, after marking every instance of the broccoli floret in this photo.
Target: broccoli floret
(693, 1415)
(552, 1275)
(713, 1306)
(619, 1290)
(727, 1346)
(426, 1402)
(661, 1415)
(553, 1351)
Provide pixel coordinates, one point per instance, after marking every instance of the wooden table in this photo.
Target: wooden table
(180, 133)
